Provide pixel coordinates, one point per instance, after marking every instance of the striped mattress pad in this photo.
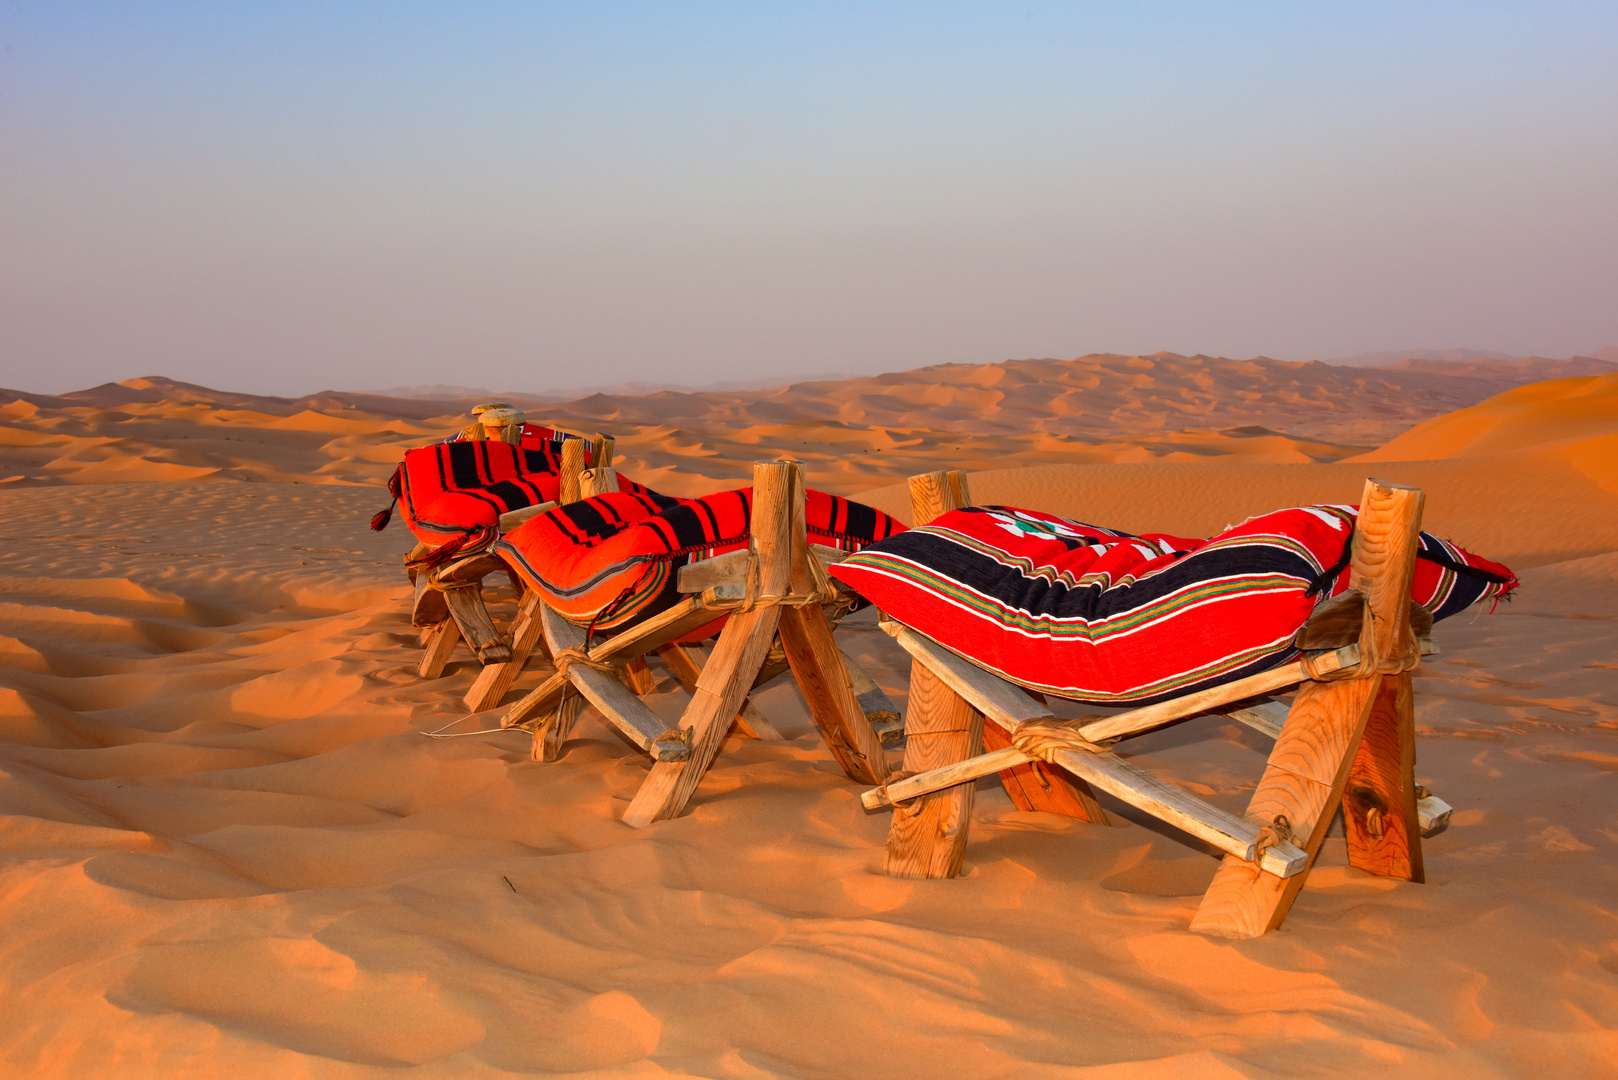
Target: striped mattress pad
(1108, 618)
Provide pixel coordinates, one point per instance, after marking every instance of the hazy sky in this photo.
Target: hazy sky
(286, 197)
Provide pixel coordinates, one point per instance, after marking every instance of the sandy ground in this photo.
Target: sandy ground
(227, 849)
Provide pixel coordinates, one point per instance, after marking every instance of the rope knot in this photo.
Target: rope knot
(894, 778)
(567, 658)
(1042, 738)
(1278, 831)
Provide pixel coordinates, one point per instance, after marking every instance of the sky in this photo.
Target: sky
(281, 198)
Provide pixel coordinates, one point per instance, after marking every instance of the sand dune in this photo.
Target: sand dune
(228, 849)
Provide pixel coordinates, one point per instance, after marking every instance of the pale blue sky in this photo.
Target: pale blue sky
(287, 197)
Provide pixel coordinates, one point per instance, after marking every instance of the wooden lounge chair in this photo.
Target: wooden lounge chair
(448, 605)
(776, 590)
(1348, 740)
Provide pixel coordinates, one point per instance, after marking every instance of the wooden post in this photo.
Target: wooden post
(572, 466)
(441, 642)
(1379, 808)
(495, 679)
(685, 663)
(741, 649)
(1309, 767)
(928, 836)
(549, 737)
(638, 677)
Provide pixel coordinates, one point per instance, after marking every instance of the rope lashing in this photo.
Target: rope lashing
(1371, 663)
(824, 589)
(894, 778)
(1043, 737)
(567, 658)
(1278, 831)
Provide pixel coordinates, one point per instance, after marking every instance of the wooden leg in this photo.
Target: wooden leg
(1379, 805)
(466, 606)
(1303, 781)
(495, 679)
(818, 666)
(638, 677)
(548, 739)
(1042, 786)
(928, 837)
(441, 642)
(720, 691)
(685, 664)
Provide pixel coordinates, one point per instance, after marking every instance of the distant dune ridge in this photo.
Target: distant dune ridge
(852, 433)
(226, 847)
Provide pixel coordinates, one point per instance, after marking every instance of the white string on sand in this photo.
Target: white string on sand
(440, 733)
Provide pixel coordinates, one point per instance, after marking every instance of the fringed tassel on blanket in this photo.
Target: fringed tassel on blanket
(380, 519)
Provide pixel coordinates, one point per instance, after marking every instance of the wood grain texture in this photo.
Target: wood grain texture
(1380, 814)
(441, 642)
(817, 664)
(741, 650)
(1327, 720)
(928, 837)
(477, 629)
(638, 640)
(720, 691)
(572, 465)
(495, 679)
(549, 737)
(1379, 807)
(598, 481)
(1039, 785)
(637, 676)
(616, 702)
(1309, 768)
(685, 663)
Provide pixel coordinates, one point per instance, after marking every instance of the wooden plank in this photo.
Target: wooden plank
(1148, 717)
(637, 676)
(1379, 809)
(742, 647)
(1264, 717)
(945, 776)
(1236, 836)
(568, 471)
(1000, 701)
(495, 679)
(513, 518)
(731, 568)
(1040, 785)
(818, 666)
(1380, 815)
(441, 642)
(1432, 813)
(549, 737)
(677, 621)
(427, 607)
(1309, 768)
(1303, 781)
(618, 705)
(685, 663)
(745, 640)
(928, 836)
(880, 711)
(466, 608)
(602, 480)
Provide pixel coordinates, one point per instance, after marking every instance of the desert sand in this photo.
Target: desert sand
(229, 850)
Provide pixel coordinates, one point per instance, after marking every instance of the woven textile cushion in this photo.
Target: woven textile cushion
(614, 559)
(1108, 618)
(452, 489)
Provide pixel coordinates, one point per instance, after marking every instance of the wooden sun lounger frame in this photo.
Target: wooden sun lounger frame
(1346, 741)
(774, 588)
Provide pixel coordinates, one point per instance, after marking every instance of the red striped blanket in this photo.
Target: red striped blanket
(1108, 618)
